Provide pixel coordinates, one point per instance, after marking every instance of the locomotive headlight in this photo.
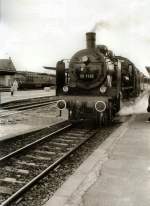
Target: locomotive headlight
(65, 88)
(100, 106)
(103, 89)
(61, 104)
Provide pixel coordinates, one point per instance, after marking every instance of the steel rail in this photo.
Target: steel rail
(34, 143)
(35, 105)
(38, 177)
(22, 104)
(25, 100)
(23, 108)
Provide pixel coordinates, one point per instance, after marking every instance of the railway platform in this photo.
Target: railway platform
(19, 123)
(20, 95)
(116, 174)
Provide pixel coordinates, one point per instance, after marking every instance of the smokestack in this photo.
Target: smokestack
(90, 40)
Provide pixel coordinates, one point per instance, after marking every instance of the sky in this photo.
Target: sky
(37, 33)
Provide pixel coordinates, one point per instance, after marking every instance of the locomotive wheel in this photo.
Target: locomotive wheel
(110, 113)
(72, 115)
(99, 119)
(69, 114)
(105, 118)
(102, 119)
(110, 116)
(119, 102)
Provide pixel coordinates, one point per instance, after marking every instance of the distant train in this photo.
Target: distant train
(96, 82)
(33, 80)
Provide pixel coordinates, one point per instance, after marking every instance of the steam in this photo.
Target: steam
(45, 34)
(137, 107)
(122, 37)
(99, 25)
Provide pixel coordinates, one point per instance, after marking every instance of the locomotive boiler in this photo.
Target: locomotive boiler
(91, 86)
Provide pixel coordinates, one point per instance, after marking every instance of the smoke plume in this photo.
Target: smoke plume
(137, 107)
(122, 38)
(101, 25)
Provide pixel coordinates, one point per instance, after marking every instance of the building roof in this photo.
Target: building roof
(7, 66)
(148, 69)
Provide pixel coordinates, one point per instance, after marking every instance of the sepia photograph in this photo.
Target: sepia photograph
(74, 103)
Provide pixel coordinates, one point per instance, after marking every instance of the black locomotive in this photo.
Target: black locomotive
(96, 82)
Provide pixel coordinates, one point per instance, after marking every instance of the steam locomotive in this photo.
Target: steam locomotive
(95, 83)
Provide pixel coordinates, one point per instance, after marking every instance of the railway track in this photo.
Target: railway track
(12, 144)
(22, 106)
(22, 168)
(19, 105)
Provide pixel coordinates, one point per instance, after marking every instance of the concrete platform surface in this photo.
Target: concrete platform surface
(6, 96)
(116, 174)
(20, 122)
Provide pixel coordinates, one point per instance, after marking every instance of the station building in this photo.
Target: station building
(7, 71)
(25, 79)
